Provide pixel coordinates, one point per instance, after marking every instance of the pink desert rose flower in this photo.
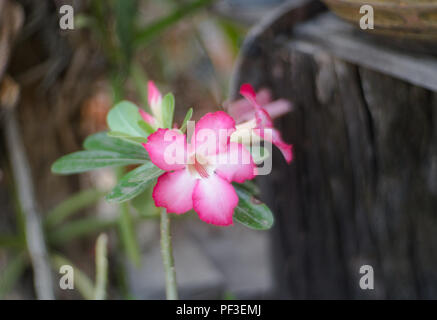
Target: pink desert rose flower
(155, 103)
(200, 177)
(242, 110)
(253, 111)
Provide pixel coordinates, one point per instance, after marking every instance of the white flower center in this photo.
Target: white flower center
(199, 166)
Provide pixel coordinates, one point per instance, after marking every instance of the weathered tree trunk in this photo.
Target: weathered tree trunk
(362, 188)
(43, 85)
(56, 73)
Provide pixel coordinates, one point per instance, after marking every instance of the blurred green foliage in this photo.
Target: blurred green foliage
(116, 26)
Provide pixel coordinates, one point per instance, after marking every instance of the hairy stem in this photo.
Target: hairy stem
(167, 258)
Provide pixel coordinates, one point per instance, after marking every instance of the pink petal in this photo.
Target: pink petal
(214, 200)
(263, 119)
(174, 191)
(278, 108)
(155, 99)
(167, 149)
(147, 117)
(218, 120)
(153, 94)
(213, 132)
(236, 164)
(276, 138)
(263, 96)
(243, 110)
(247, 91)
(285, 148)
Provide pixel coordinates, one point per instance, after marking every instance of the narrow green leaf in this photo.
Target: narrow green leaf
(126, 12)
(124, 136)
(250, 212)
(156, 27)
(79, 228)
(249, 185)
(234, 33)
(87, 160)
(81, 281)
(101, 141)
(11, 241)
(147, 128)
(12, 273)
(168, 110)
(117, 78)
(186, 119)
(101, 267)
(144, 204)
(140, 82)
(128, 234)
(71, 205)
(133, 183)
(124, 118)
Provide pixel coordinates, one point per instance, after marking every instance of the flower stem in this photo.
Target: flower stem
(167, 258)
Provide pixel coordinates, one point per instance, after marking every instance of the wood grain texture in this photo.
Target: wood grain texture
(362, 186)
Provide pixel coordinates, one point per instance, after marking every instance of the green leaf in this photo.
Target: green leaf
(147, 128)
(234, 34)
(12, 273)
(140, 81)
(168, 110)
(117, 80)
(72, 205)
(87, 160)
(124, 117)
(249, 185)
(186, 119)
(11, 241)
(133, 183)
(125, 26)
(101, 141)
(144, 204)
(101, 267)
(81, 281)
(124, 136)
(126, 227)
(250, 212)
(79, 228)
(151, 30)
